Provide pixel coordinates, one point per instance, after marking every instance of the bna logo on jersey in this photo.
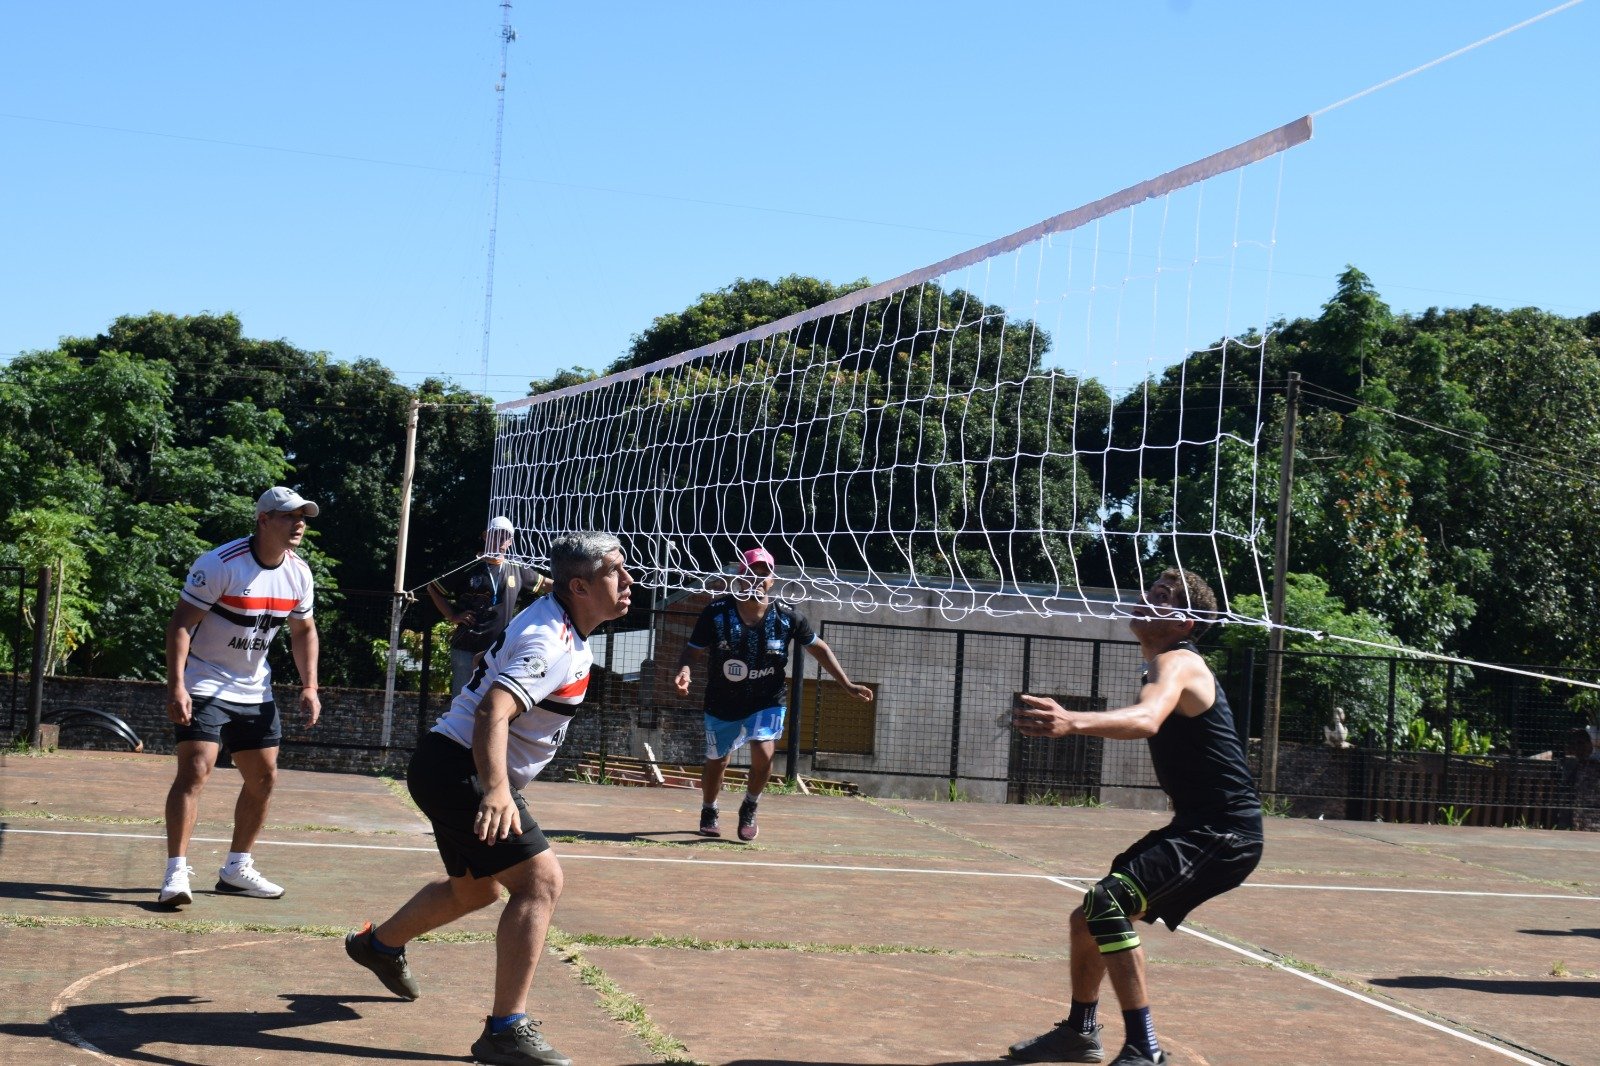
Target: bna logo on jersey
(735, 670)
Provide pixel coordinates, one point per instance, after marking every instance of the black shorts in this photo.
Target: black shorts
(1180, 868)
(239, 726)
(443, 780)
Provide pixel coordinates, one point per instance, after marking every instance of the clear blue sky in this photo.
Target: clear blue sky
(322, 169)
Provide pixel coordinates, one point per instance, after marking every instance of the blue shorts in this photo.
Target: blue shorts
(723, 738)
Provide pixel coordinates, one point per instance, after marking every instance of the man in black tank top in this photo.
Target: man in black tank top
(1212, 844)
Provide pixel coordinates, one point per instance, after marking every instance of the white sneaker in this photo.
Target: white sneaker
(246, 880)
(175, 889)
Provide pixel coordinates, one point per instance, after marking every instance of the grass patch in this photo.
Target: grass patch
(102, 819)
(694, 943)
(128, 819)
(397, 788)
(1050, 798)
(619, 1005)
(1277, 806)
(696, 843)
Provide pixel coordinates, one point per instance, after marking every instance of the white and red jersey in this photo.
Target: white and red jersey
(543, 662)
(246, 604)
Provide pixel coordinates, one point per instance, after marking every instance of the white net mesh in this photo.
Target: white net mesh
(1060, 410)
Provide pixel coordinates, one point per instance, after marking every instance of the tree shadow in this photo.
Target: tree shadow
(126, 1029)
(1503, 986)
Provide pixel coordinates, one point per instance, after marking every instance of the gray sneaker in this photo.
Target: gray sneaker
(1132, 1056)
(392, 970)
(1061, 1044)
(520, 1045)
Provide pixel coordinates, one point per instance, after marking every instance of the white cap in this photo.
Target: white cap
(279, 498)
(501, 522)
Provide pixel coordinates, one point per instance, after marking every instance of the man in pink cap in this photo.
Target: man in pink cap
(747, 633)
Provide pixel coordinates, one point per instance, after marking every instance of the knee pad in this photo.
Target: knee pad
(1108, 909)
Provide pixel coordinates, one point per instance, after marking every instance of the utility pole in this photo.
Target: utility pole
(400, 570)
(41, 625)
(1280, 580)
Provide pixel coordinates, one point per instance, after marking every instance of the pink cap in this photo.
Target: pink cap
(754, 556)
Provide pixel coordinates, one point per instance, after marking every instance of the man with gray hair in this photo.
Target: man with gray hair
(467, 776)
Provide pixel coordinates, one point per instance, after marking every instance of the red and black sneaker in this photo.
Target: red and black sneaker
(709, 826)
(747, 821)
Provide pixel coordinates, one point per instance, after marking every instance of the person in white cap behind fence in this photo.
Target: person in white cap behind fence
(747, 634)
(480, 599)
(219, 686)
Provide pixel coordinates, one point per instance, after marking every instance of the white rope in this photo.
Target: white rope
(1446, 58)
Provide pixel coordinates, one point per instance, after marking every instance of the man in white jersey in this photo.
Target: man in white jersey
(467, 775)
(219, 686)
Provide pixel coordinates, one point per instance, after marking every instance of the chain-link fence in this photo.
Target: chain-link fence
(1360, 736)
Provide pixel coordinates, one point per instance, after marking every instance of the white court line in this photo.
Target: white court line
(811, 866)
(59, 1005)
(1352, 993)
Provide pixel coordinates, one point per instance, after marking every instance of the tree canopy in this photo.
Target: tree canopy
(126, 455)
(1443, 495)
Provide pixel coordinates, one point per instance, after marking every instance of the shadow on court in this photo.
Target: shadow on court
(1564, 987)
(1562, 932)
(24, 891)
(126, 1029)
(686, 837)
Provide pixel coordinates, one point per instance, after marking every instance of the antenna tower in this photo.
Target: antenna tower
(507, 35)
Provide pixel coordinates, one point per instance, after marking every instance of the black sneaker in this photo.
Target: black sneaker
(747, 822)
(1132, 1056)
(1061, 1044)
(709, 826)
(520, 1045)
(391, 969)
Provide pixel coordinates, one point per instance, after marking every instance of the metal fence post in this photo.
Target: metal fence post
(955, 708)
(16, 647)
(791, 747)
(1449, 726)
(1249, 697)
(1273, 709)
(425, 682)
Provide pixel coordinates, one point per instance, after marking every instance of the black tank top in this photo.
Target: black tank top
(1201, 765)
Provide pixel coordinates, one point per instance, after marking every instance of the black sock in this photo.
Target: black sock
(1081, 1018)
(1141, 1031)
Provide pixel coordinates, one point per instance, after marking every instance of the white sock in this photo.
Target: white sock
(237, 859)
(176, 862)
(711, 806)
(752, 798)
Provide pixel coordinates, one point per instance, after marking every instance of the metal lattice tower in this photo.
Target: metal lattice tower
(507, 35)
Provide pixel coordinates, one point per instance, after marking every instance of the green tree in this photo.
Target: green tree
(1329, 675)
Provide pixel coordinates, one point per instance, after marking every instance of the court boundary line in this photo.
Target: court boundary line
(1058, 878)
(59, 1005)
(1352, 993)
(66, 1029)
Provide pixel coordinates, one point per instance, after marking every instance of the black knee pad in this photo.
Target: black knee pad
(1108, 908)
